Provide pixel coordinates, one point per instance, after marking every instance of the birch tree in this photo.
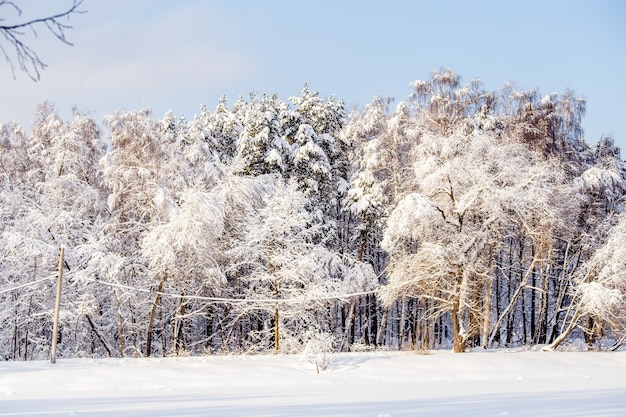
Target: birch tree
(469, 191)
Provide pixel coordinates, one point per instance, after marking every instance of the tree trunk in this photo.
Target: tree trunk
(155, 305)
(458, 345)
(558, 309)
(26, 339)
(15, 330)
(512, 301)
(276, 329)
(486, 313)
(120, 324)
(97, 333)
(55, 328)
(571, 326)
(380, 336)
(533, 302)
(401, 323)
(163, 333)
(561, 287)
(179, 340)
(349, 326)
(376, 317)
(367, 312)
(542, 318)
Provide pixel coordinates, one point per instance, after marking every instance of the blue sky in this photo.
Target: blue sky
(177, 55)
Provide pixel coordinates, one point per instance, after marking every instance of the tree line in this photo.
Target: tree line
(458, 218)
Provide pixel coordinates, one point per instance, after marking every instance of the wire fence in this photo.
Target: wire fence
(28, 284)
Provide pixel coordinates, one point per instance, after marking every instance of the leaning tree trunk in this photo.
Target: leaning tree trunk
(566, 332)
(577, 314)
(513, 300)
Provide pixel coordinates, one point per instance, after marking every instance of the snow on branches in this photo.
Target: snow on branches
(459, 218)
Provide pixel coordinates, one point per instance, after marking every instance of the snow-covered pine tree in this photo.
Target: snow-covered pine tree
(319, 155)
(261, 145)
(223, 127)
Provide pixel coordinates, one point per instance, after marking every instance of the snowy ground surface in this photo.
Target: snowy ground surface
(381, 384)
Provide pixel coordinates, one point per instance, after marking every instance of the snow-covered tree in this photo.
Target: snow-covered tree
(443, 105)
(269, 223)
(223, 127)
(318, 150)
(599, 293)
(468, 193)
(59, 204)
(318, 346)
(131, 174)
(277, 259)
(260, 143)
(184, 250)
(166, 224)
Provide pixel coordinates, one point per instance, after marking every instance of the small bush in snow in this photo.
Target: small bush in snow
(317, 347)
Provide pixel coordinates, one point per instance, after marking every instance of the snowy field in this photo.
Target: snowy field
(481, 384)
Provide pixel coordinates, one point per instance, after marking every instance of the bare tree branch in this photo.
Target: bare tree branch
(27, 59)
